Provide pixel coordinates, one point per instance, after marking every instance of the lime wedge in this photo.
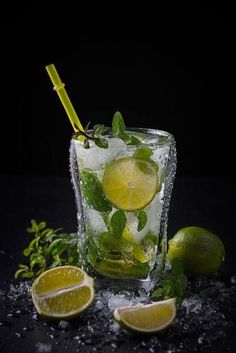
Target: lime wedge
(62, 292)
(130, 184)
(147, 318)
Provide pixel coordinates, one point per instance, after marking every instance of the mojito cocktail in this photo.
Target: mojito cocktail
(123, 185)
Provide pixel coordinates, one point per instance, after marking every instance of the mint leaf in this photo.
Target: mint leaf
(118, 124)
(142, 220)
(102, 143)
(118, 222)
(93, 193)
(143, 153)
(119, 130)
(99, 129)
(134, 140)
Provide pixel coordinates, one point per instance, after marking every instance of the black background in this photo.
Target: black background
(175, 74)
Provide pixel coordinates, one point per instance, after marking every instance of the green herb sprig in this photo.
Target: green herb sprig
(48, 248)
(173, 284)
(95, 134)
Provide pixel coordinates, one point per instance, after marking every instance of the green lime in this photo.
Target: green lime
(200, 251)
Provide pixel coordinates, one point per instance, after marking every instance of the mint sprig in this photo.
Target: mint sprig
(173, 284)
(95, 135)
(48, 248)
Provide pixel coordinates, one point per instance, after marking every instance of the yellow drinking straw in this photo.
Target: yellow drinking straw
(59, 87)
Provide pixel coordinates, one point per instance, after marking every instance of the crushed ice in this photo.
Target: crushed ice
(208, 309)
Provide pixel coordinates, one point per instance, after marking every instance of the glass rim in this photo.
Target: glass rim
(169, 138)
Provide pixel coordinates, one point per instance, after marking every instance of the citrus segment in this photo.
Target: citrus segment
(62, 292)
(147, 318)
(130, 184)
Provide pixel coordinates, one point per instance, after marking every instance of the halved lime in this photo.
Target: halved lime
(147, 318)
(130, 184)
(62, 292)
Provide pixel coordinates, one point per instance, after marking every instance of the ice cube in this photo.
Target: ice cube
(43, 347)
(153, 212)
(94, 157)
(116, 301)
(192, 305)
(96, 221)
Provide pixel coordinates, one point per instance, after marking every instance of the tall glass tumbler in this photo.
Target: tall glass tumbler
(122, 195)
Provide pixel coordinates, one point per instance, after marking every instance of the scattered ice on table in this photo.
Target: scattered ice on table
(63, 324)
(116, 301)
(43, 347)
(115, 327)
(192, 305)
(98, 305)
(16, 290)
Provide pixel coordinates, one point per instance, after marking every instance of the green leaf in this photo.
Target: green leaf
(27, 252)
(142, 220)
(143, 153)
(118, 222)
(118, 124)
(102, 143)
(42, 225)
(182, 281)
(134, 140)
(53, 246)
(93, 193)
(99, 130)
(86, 143)
(158, 293)
(28, 275)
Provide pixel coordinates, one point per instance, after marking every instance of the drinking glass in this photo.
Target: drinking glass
(122, 197)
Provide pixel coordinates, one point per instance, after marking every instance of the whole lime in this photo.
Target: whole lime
(200, 251)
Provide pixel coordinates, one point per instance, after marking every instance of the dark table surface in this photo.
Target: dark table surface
(204, 201)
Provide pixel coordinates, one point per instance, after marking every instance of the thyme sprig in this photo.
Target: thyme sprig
(48, 248)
